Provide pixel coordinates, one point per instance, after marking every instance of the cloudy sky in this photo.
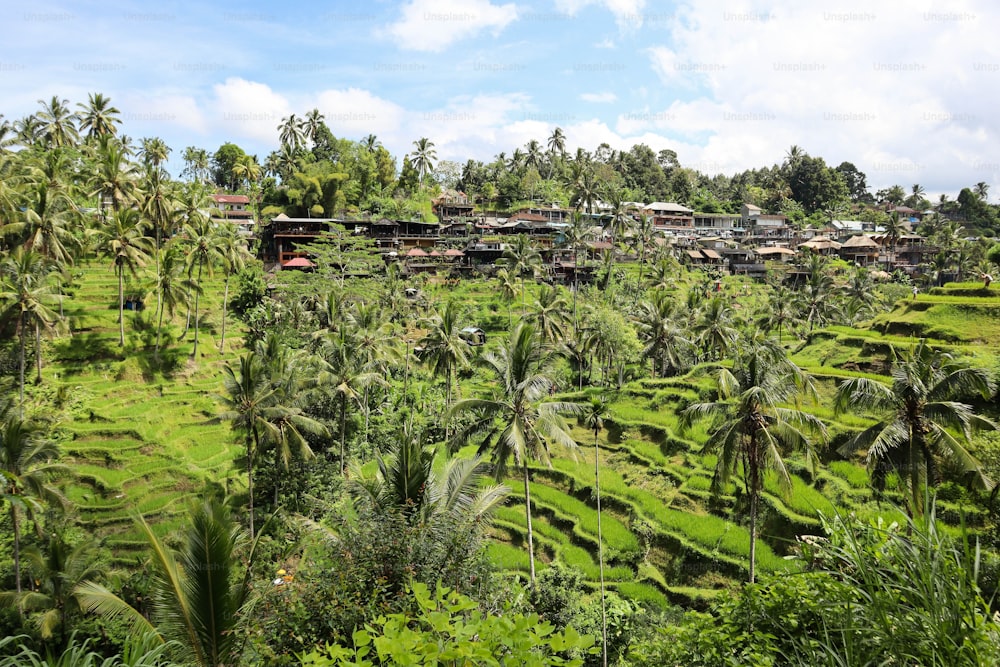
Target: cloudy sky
(906, 90)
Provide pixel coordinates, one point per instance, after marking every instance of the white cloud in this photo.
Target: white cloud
(599, 98)
(899, 90)
(249, 109)
(355, 113)
(627, 12)
(606, 43)
(433, 25)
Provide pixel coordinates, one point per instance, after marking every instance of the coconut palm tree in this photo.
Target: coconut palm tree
(57, 123)
(750, 425)
(291, 132)
(917, 417)
(172, 285)
(115, 177)
(664, 341)
(779, 312)
(452, 505)
(575, 237)
(154, 151)
(98, 117)
(557, 147)
(45, 225)
(593, 416)
(234, 255)
(195, 163)
(26, 296)
(200, 593)
(311, 125)
(548, 315)
(714, 329)
(205, 246)
(126, 243)
(442, 348)
(515, 422)
(342, 376)
(423, 156)
(508, 291)
(29, 462)
(521, 258)
(57, 569)
(248, 400)
(981, 190)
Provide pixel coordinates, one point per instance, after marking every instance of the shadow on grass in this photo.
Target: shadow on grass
(88, 347)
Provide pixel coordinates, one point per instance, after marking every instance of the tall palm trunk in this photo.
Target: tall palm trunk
(753, 472)
(600, 550)
(38, 353)
(17, 547)
(159, 325)
(20, 366)
(254, 442)
(527, 511)
(225, 302)
(343, 432)
(194, 351)
(121, 307)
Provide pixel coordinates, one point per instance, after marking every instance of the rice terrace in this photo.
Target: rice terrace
(338, 406)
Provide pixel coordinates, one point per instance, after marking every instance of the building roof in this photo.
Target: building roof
(298, 263)
(711, 254)
(451, 252)
(231, 199)
(820, 243)
(860, 241)
(669, 207)
(775, 251)
(416, 252)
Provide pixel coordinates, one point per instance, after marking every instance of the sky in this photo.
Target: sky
(905, 90)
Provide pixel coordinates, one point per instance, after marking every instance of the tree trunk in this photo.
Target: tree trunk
(20, 367)
(17, 547)
(753, 489)
(250, 456)
(915, 474)
(197, 294)
(600, 550)
(38, 353)
(121, 307)
(527, 511)
(225, 302)
(159, 328)
(343, 433)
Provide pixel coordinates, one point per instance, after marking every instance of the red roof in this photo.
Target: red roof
(415, 252)
(451, 252)
(435, 253)
(298, 263)
(231, 199)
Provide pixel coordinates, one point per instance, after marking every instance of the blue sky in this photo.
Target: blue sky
(905, 90)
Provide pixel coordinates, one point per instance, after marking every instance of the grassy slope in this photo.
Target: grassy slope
(144, 440)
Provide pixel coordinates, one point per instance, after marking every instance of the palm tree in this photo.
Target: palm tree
(521, 258)
(234, 255)
(342, 376)
(644, 235)
(205, 247)
(98, 118)
(619, 223)
(981, 190)
(521, 376)
(714, 329)
(129, 248)
(199, 597)
(442, 348)
(115, 175)
(549, 314)
(594, 415)
(894, 230)
(750, 425)
(28, 463)
(779, 312)
(575, 236)
(665, 343)
(26, 295)
(423, 157)
(57, 571)
(917, 417)
(508, 291)
(291, 132)
(195, 163)
(249, 398)
(57, 123)
(45, 226)
(454, 505)
(312, 124)
(172, 286)
(154, 151)
(557, 146)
